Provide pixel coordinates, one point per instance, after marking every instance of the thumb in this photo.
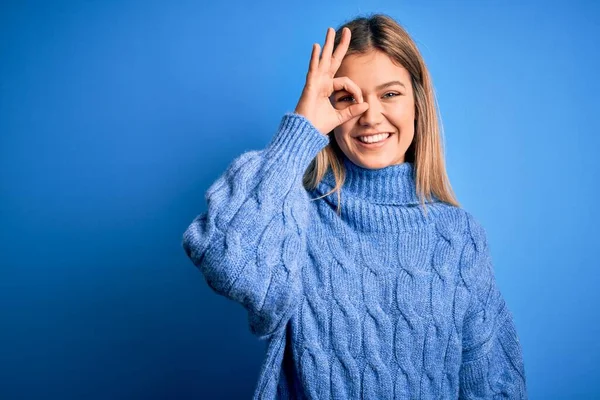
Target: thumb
(353, 111)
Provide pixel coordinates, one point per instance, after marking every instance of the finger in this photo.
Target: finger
(326, 54)
(340, 51)
(351, 112)
(314, 58)
(345, 83)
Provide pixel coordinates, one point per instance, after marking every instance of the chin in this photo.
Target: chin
(375, 164)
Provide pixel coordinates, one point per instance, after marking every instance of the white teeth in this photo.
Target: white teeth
(374, 138)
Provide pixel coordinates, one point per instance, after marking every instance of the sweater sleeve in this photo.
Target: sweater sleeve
(492, 362)
(250, 243)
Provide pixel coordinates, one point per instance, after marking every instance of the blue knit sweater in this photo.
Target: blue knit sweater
(384, 301)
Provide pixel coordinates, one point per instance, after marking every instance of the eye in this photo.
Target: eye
(345, 98)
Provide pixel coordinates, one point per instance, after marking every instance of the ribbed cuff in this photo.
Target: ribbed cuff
(296, 141)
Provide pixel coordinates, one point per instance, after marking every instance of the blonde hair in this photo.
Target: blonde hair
(383, 33)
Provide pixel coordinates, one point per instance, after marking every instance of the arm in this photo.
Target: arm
(250, 244)
(492, 361)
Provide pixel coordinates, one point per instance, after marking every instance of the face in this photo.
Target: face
(391, 111)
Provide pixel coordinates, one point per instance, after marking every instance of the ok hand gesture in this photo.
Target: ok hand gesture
(314, 102)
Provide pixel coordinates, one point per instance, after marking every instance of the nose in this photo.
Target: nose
(373, 115)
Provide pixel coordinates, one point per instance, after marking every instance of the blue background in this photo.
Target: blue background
(116, 116)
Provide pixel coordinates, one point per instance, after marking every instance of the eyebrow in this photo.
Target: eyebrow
(391, 83)
(382, 86)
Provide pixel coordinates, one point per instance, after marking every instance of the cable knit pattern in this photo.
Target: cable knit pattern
(384, 301)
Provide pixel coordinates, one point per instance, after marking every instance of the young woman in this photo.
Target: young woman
(344, 242)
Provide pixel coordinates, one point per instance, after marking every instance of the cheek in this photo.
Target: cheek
(342, 132)
(339, 137)
(402, 120)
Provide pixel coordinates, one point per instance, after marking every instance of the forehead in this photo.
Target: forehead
(371, 69)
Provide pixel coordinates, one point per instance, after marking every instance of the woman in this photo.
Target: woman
(344, 242)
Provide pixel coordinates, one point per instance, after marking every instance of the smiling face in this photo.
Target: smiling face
(391, 111)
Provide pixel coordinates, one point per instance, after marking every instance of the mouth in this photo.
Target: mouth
(375, 141)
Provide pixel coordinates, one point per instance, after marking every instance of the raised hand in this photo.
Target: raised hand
(314, 102)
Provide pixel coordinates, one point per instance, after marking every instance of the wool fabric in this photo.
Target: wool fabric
(389, 299)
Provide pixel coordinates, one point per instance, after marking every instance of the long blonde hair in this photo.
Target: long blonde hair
(383, 33)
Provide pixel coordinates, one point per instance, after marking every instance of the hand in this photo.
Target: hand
(314, 102)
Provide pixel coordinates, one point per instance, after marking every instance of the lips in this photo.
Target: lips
(372, 145)
(371, 134)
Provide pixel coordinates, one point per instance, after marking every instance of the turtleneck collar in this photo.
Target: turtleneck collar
(391, 185)
(375, 200)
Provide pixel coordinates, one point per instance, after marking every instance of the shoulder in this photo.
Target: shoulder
(447, 214)
(458, 221)
(475, 232)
